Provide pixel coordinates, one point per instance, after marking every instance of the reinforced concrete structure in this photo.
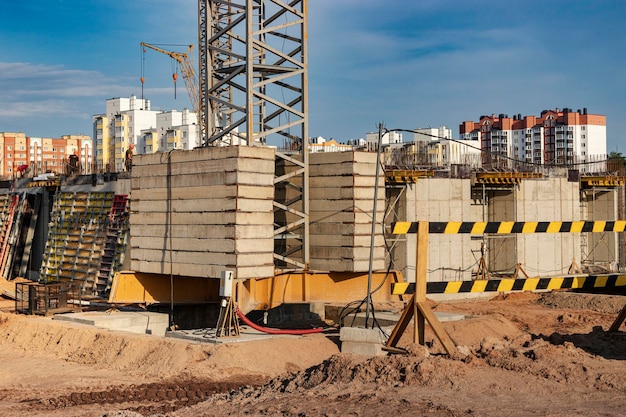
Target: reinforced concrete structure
(482, 199)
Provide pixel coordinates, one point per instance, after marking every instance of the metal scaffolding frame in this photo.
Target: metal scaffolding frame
(254, 91)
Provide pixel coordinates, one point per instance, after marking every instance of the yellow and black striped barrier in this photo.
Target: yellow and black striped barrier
(479, 228)
(588, 282)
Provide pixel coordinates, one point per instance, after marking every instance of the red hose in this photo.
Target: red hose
(276, 331)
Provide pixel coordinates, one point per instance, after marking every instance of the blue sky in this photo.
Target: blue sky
(405, 63)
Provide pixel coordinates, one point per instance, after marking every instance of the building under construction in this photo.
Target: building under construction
(290, 228)
(164, 235)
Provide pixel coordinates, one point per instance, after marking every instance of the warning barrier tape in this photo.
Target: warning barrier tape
(479, 228)
(510, 284)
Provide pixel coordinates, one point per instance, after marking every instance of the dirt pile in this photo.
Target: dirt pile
(520, 355)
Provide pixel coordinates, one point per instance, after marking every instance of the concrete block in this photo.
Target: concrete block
(197, 180)
(355, 253)
(345, 265)
(201, 154)
(205, 166)
(135, 322)
(365, 349)
(361, 334)
(206, 218)
(203, 231)
(362, 341)
(341, 193)
(201, 271)
(346, 168)
(190, 244)
(341, 157)
(203, 257)
(340, 229)
(348, 205)
(202, 193)
(345, 240)
(347, 181)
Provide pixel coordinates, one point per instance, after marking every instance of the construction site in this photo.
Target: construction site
(249, 276)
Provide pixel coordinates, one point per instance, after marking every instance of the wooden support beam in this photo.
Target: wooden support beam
(421, 276)
(417, 308)
(440, 332)
(621, 317)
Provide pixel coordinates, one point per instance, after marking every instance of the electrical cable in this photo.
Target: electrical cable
(270, 330)
(169, 225)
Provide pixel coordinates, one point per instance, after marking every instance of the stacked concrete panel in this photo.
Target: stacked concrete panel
(198, 213)
(341, 191)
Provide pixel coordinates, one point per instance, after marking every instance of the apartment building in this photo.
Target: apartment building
(174, 130)
(43, 154)
(118, 127)
(556, 137)
(13, 153)
(131, 121)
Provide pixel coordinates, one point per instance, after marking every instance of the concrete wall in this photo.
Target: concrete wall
(198, 213)
(551, 199)
(455, 257)
(450, 257)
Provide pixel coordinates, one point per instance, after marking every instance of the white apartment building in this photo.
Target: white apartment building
(118, 127)
(129, 121)
(443, 153)
(564, 137)
(174, 130)
(388, 138)
(432, 133)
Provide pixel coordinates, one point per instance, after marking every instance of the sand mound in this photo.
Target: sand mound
(518, 357)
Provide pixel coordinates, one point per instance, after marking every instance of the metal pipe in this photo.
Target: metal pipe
(373, 235)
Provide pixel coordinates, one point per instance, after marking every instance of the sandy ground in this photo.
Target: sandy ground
(521, 355)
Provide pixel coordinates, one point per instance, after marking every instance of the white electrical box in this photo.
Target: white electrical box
(226, 284)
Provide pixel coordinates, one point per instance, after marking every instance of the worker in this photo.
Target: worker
(129, 157)
(73, 163)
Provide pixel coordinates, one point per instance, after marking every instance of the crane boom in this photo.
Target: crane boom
(189, 76)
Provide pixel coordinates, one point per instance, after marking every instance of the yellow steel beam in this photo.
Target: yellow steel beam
(332, 287)
(602, 181)
(406, 176)
(505, 177)
(131, 287)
